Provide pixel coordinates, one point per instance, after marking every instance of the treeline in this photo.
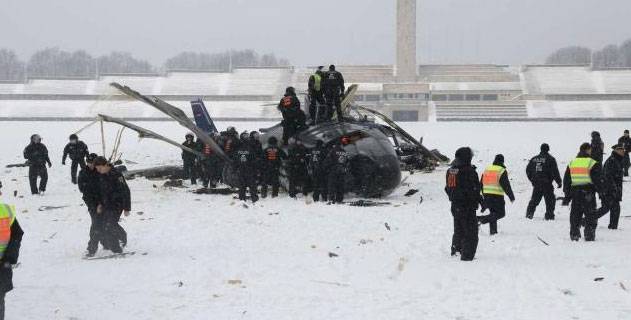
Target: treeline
(611, 56)
(54, 63)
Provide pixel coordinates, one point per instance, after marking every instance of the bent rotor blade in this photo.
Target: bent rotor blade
(176, 114)
(400, 130)
(145, 133)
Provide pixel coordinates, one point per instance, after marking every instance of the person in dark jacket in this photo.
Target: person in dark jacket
(189, 159)
(257, 148)
(625, 142)
(77, 150)
(89, 187)
(333, 92)
(245, 160)
(598, 147)
(581, 181)
(463, 189)
(36, 155)
(317, 105)
(9, 257)
(294, 119)
(613, 173)
(297, 155)
(495, 184)
(115, 201)
(317, 172)
(230, 141)
(336, 164)
(273, 157)
(211, 165)
(542, 171)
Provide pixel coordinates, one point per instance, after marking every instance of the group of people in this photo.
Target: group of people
(320, 170)
(325, 90)
(585, 177)
(105, 191)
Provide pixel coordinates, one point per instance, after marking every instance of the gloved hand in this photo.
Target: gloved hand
(566, 201)
(63, 163)
(50, 165)
(559, 185)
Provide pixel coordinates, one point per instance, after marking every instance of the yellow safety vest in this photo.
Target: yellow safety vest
(580, 169)
(491, 180)
(317, 82)
(7, 217)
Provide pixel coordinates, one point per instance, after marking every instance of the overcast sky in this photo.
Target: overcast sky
(311, 32)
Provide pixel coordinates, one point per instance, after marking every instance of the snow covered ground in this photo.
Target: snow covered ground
(207, 257)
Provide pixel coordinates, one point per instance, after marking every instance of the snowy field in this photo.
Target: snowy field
(208, 257)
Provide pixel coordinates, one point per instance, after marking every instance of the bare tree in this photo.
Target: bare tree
(570, 55)
(53, 62)
(123, 62)
(11, 68)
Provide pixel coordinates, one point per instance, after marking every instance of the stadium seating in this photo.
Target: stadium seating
(469, 111)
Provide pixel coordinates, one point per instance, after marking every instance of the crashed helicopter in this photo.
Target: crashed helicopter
(378, 152)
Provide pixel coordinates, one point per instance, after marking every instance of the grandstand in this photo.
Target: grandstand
(441, 93)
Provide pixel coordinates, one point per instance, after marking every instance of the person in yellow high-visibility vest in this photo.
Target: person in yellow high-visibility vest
(317, 105)
(495, 185)
(581, 182)
(10, 239)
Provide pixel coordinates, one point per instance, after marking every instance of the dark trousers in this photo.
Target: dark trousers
(542, 191)
(96, 228)
(317, 106)
(583, 209)
(34, 172)
(611, 206)
(320, 188)
(333, 100)
(270, 178)
(2, 296)
(335, 185)
(627, 164)
(211, 172)
(113, 232)
(297, 180)
(190, 171)
(497, 210)
(73, 169)
(247, 180)
(465, 237)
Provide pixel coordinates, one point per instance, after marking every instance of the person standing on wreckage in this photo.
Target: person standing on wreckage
(463, 189)
(115, 201)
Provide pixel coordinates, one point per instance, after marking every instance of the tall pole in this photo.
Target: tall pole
(406, 67)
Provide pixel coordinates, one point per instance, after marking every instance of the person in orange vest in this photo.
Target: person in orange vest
(581, 181)
(495, 184)
(10, 239)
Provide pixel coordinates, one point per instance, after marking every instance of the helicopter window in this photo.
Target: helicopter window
(489, 97)
(373, 97)
(472, 97)
(439, 97)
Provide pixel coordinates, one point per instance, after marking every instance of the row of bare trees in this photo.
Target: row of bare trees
(611, 56)
(55, 63)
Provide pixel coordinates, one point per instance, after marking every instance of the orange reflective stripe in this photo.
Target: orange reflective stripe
(579, 170)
